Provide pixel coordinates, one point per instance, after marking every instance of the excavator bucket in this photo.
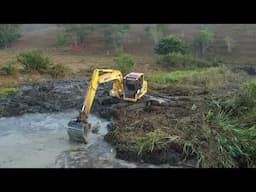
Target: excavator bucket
(77, 131)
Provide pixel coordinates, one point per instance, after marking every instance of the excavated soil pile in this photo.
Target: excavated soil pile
(158, 134)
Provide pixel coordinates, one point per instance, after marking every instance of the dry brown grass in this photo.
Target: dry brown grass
(79, 64)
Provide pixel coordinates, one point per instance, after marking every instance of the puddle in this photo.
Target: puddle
(40, 141)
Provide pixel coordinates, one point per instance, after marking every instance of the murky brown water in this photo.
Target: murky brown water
(40, 141)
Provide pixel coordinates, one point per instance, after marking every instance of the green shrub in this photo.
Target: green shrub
(125, 63)
(61, 40)
(249, 88)
(180, 60)
(34, 59)
(8, 69)
(8, 34)
(58, 70)
(171, 44)
(203, 40)
(8, 91)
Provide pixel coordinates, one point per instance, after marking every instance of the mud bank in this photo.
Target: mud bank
(52, 96)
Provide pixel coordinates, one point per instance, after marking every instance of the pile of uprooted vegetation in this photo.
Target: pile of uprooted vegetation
(156, 135)
(217, 131)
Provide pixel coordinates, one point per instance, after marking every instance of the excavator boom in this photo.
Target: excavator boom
(78, 129)
(97, 79)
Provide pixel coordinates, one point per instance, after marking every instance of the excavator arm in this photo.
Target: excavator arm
(99, 76)
(109, 75)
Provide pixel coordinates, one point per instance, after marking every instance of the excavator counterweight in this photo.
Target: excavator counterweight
(129, 88)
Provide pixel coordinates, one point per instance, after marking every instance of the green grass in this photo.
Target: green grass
(58, 70)
(167, 77)
(154, 140)
(234, 122)
(236, 141)
(8, 68)
(249, 88)
(8, 91)
(204, 78)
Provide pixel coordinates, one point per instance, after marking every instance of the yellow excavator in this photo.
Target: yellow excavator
(131, 88)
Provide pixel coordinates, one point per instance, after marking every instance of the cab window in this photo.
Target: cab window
(130, 85)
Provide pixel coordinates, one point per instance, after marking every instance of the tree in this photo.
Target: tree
(171, 44)
(156, 32)
(79, 32)
(9, 33)
(229, 43)
(114, 34)
(203, 40)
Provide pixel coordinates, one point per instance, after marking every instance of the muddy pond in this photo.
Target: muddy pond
(40, 140)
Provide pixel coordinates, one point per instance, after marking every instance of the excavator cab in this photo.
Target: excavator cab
(134, 86)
